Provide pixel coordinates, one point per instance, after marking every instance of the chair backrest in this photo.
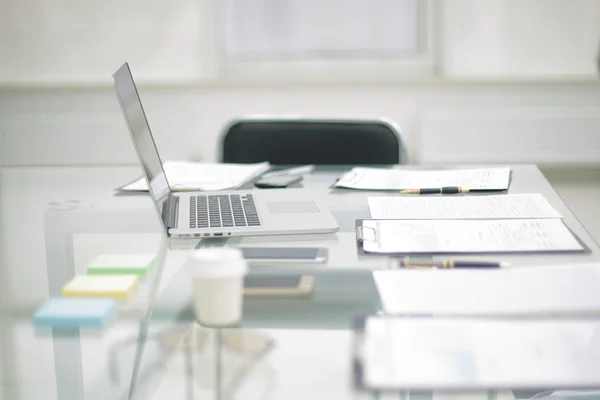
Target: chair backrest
(291, 141)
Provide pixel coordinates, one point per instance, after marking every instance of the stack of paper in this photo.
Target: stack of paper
(189, 176)
(398, 179)
(552, 289)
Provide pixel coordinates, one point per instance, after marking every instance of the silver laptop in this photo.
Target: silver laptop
(227, 213)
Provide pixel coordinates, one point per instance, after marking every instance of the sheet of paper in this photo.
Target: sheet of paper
(539, 289)
(397, 179)
(464, 207)
(204, 176)
(460, 353)
(468, 236)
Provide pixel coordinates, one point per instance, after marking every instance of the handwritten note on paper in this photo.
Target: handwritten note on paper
(471, 207)
(469, 236)
(397, 179)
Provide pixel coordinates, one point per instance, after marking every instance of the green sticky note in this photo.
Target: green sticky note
(122, 264)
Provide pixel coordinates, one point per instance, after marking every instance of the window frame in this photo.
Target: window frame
(422, 65)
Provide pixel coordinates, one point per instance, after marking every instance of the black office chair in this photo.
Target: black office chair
(296, 141)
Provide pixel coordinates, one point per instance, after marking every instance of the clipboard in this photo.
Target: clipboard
(364, 234)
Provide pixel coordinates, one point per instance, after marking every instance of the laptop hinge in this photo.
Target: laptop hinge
(170, 212)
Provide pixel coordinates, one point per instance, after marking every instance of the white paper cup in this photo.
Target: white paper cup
(218, 275)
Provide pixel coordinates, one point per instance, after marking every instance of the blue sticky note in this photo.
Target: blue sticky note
(75, 312)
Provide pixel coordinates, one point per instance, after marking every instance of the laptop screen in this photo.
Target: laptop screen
(142, 138)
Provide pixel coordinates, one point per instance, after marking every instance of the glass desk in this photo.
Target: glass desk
(298, 348)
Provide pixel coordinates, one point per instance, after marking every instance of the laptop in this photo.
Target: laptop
(222, 213)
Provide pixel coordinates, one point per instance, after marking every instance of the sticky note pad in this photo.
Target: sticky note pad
(115, 286)
(122, 264)
(65, 312)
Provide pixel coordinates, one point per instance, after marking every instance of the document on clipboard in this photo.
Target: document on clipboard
(446, 353)
(465, 236)
(523, 205)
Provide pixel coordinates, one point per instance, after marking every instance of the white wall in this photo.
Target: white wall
(519, 39)
(545, 123)
(44, 42)
(515, 83)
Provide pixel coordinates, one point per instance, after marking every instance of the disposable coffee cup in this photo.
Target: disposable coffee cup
(218, 278)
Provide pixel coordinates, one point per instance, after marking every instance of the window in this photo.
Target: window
(333, 39)
(73, 42)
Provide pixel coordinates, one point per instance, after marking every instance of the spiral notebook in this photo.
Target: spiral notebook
(465, 236)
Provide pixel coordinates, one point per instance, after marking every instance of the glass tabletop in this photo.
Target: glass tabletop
(291, 347)
(294, 347)
(286, 347)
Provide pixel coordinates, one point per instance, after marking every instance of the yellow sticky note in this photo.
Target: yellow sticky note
(114, 286)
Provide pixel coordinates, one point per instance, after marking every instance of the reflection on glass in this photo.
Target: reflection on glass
(214, 360)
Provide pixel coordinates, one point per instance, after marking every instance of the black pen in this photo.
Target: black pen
(449, 264)
(442, 190)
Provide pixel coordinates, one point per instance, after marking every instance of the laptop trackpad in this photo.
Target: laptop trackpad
(292, 207)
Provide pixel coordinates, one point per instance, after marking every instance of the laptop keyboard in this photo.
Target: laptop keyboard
(223, 211)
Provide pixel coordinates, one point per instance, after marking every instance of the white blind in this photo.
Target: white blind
(86, 40)
(317, 29)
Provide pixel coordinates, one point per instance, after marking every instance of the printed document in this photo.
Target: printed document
(478, 353)
(536, 289)
(190, 176)
(462, 207)
(467, 236)
(398, 179)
